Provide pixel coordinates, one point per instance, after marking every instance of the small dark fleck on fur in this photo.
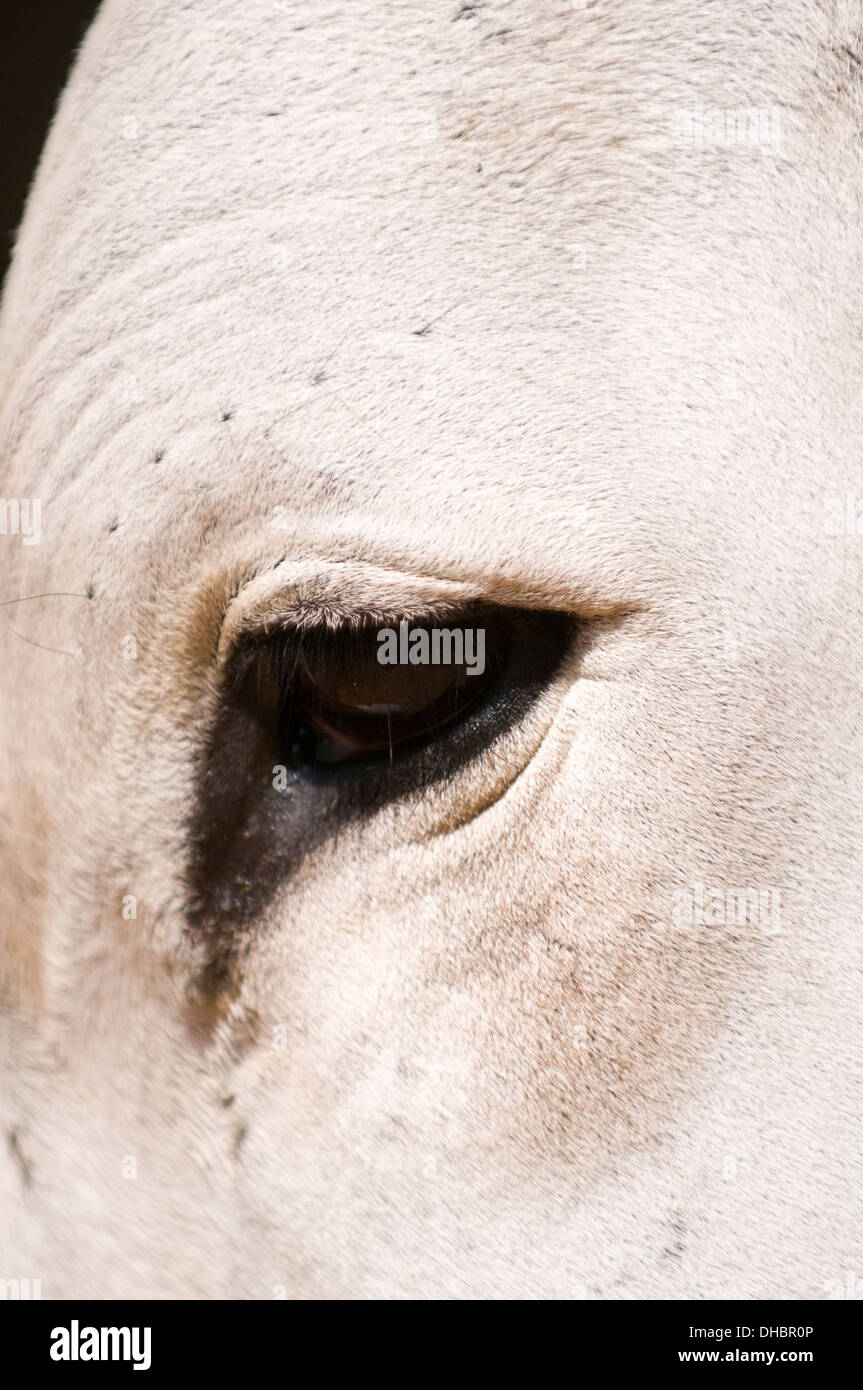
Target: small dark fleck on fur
(14, 1141)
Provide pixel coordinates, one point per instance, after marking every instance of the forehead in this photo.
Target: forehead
(452, 296)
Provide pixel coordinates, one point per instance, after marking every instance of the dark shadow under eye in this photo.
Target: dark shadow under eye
(367, 692)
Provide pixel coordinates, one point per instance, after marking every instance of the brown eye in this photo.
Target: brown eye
(368, 691)
(376, 689)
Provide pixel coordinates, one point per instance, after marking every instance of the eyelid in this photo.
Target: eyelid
(302, 595)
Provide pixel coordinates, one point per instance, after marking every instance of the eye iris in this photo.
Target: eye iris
(351, 678)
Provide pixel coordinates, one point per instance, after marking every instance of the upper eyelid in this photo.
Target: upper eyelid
(290, 599)
(238, 660)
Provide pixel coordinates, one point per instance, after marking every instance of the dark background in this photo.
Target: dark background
(39, 41)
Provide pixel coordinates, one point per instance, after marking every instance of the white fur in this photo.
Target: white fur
(506, 1071)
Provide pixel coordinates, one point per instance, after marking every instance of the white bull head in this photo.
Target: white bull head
(326, 319)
